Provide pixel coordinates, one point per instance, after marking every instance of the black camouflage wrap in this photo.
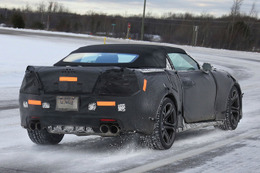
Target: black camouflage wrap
(198, 96)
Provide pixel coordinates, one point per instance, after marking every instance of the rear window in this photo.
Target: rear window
(110, 58)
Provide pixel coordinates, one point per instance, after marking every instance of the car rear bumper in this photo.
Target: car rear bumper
(130, 114)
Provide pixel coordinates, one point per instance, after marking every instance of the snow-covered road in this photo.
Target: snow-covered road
(201, 150)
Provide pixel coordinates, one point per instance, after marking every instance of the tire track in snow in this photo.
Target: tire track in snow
(8, 104)
(191, 153)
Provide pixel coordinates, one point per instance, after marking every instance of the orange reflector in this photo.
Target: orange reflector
(68, 79)
(145, 84)
(102, 103)
(34, 102)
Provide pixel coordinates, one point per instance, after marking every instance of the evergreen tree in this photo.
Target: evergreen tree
(17, 21)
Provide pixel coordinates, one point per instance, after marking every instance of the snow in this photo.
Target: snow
(230, 163)
(96, 154)
(46, 32)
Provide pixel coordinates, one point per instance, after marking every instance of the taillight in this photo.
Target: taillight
(31, 83)
(117, 82)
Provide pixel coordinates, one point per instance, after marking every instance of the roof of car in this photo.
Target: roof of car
(127, 48)
(150, 56)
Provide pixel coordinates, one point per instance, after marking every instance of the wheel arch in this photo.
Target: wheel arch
(236, 84)
(178, 108)
(171, 96)
(224, 83)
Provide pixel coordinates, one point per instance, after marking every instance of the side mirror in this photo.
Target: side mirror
(206, 67)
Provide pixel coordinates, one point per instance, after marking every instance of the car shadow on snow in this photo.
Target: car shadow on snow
(195, 133)
(95, 144)
(112, 144)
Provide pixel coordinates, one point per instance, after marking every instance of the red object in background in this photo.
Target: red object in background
(129, 25)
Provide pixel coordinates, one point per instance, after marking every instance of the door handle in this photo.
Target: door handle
(187, 82)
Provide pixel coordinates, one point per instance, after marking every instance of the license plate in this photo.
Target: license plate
(67, 103)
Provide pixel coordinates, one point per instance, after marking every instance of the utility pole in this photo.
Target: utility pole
(113, 29)
(142, 29)
(195, 35)
(128, 30)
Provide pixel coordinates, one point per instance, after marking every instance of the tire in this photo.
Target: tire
(233, 111)
(43, 137)
(164, 132)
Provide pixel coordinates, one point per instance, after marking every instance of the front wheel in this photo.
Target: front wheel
(44, 137)
(233, 112)
(164, 132)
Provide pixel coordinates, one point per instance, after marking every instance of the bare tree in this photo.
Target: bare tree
(253, 12)
(48, 16)
(27, 8)
(41, 8)
(235, 12)
(235, 9)
(233, 31)
(50, 6)
(55, 7)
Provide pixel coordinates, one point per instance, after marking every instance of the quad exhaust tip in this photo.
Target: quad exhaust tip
(104, 128)
(38, 126)
(32, 126)
(35, 126)
(113, 129)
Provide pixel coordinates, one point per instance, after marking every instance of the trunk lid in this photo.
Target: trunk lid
(78, 80)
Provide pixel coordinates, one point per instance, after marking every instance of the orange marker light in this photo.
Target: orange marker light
(145, 84)
(106, 103)
(68, 79)
(35, 102)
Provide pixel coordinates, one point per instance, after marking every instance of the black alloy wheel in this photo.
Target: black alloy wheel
(168, 126)
(164, 132)
(234, 110)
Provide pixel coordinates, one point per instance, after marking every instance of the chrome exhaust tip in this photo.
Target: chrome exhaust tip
(104, 128)
(114, 129)
(32, 126)
(38, 126)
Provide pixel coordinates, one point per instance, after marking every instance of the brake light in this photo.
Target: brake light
(107, 120)
(35, 117)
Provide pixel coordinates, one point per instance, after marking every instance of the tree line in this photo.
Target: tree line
(234, 31)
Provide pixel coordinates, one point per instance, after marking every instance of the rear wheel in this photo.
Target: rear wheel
(44, 137)
(233, 111)
(164, 132)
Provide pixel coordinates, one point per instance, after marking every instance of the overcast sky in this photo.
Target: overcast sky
(129, 7)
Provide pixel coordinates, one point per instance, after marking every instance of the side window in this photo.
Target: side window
(183, 62)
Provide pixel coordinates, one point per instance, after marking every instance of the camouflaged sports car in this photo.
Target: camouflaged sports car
(110, 90)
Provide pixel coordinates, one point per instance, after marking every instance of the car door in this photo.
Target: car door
(199, 89)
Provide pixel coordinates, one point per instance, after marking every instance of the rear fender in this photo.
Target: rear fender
(157, 88)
